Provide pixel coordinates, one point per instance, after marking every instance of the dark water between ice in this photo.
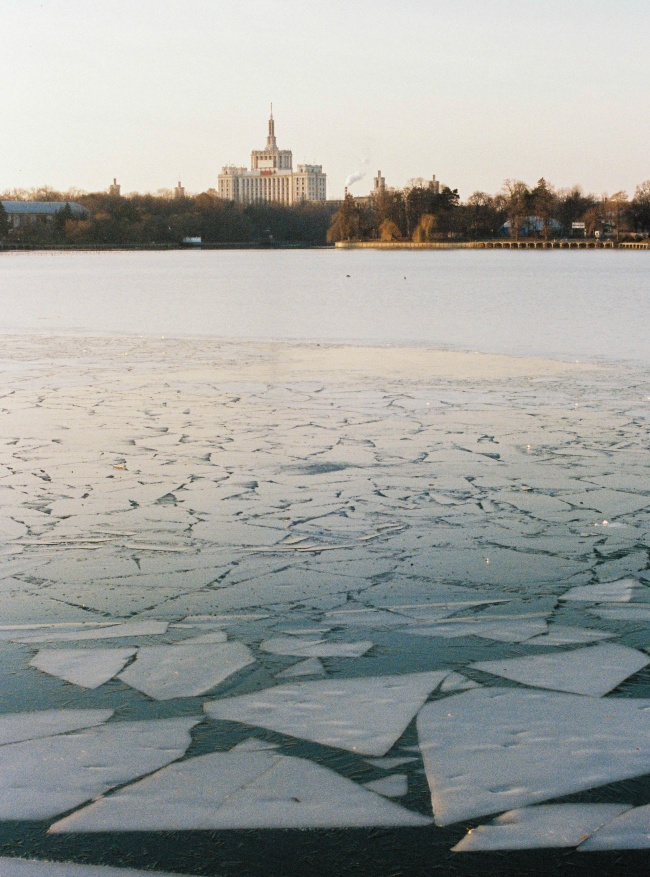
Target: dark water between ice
(585, 305)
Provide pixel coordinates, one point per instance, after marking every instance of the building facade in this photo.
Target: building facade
(271, 177)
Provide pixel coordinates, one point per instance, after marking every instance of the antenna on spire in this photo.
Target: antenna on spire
(271, 109)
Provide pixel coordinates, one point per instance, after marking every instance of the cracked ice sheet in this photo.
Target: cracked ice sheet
(365, 715)
(240, 790)
(591, 671)
(490, 750)
(319, 648)
(550, 825)
(630, 831)
(179, 670)
(635, 612)
(17, 727)
(44, 868)
(310, 667)
(42, 778)
(88, 668)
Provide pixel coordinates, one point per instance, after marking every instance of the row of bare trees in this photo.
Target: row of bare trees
(419, 213)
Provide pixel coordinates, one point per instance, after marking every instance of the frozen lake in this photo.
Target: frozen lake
(586, 305)
(267, 602)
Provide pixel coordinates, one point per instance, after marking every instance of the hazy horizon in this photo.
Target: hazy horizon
(155, 92)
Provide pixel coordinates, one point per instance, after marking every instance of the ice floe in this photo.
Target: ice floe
(239, 790)
(512, 630)
(44, 868)
(630, 831)
(549, 825)
(489, 750)
(310, 667)
(635, 612)
(16, 727)
(165, 672)
(564, 635)
(128, 628)
(42, 778)
(594, 670)
(604, 592)
(88, 668)
(366, 715)
(315, 648)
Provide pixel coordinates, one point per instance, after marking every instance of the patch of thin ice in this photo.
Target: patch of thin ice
(226, 790)
(365, 715)
(564, 635)
(492, 749)
(549, 825)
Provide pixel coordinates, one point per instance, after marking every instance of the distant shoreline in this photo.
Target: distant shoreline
(341, 245)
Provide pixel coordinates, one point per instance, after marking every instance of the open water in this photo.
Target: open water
(575, 305)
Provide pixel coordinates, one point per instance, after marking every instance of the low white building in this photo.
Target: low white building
(271, 177)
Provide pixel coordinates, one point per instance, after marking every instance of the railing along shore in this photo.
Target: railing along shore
(586, 244)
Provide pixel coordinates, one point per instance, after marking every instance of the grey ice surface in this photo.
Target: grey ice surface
(629, 831)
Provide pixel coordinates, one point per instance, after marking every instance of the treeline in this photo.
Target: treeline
(141, 220)
(419, 213)
(416, 213)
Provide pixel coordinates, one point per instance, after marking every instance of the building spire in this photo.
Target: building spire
(270, 140)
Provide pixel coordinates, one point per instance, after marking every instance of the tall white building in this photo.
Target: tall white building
(271, 177)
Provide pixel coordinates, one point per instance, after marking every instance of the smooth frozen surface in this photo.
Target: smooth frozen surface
(16, 727)
(41, 778)
(550, 825)
(594, 670)
(164, 672)
(490, 750)
(240, 790)
(630, 831)
(43, 868)
(88, 668)
(363, 715)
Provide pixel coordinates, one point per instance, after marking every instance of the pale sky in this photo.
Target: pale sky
(474, 91)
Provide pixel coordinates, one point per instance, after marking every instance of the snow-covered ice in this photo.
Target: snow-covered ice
(630, 831)
(314, 648)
